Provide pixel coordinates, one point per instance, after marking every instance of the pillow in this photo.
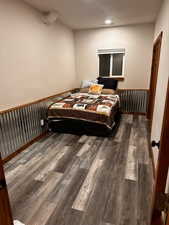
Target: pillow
(94, 81)
(108, 91)
(95, 89)
(108, 83)
(88, 83)
(84, 90)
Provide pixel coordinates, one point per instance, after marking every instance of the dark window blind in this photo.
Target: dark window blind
(117, 68)
(104, 65)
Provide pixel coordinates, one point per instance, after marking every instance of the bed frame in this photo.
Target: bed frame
(79, 127)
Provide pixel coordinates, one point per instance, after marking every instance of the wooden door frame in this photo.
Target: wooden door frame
(163, 162)
(5, 209)
(153, 79)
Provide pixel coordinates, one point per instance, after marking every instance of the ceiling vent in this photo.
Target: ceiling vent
(50, 17)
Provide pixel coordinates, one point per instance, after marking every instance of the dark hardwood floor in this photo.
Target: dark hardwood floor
(71, 180)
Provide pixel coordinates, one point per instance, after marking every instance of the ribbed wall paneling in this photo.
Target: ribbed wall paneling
(21, 125)
(133, 101)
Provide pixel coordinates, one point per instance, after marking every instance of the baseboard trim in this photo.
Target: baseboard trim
(11, 156)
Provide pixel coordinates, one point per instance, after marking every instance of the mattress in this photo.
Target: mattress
(99, 109)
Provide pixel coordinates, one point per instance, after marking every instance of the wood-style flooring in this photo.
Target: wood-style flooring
(66, 179)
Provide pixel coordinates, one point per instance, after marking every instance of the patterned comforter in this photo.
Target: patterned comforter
(83, 106)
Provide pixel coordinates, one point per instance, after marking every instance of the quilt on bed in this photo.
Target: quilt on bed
(83, 106)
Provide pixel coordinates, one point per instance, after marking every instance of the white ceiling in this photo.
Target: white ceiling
(82, 14)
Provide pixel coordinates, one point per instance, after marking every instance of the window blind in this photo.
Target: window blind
(104, 65)
(117, 67)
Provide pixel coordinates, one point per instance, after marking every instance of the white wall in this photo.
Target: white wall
(136, 39)
(162, 24)
(36, 60)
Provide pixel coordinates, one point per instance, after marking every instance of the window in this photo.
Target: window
(111, 62)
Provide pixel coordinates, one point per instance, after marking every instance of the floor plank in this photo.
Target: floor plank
(66, 179)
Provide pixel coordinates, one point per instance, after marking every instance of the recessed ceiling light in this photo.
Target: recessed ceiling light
(108, 22)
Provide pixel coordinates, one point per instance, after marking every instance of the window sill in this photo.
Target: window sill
(120, 78)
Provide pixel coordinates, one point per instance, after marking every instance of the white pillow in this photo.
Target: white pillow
(94, 81)
(88, 83)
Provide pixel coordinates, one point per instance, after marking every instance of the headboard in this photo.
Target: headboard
(109, 83)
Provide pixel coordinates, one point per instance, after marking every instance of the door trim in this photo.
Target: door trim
(5, 209)
(153, 79)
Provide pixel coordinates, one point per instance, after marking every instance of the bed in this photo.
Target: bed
(84, 113)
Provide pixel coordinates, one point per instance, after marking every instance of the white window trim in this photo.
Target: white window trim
(112, 51)
(111, 65)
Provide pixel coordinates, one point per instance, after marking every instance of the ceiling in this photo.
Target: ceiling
(82, 14)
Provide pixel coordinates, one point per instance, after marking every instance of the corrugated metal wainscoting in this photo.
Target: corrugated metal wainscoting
(133, 101)
(21, 125)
